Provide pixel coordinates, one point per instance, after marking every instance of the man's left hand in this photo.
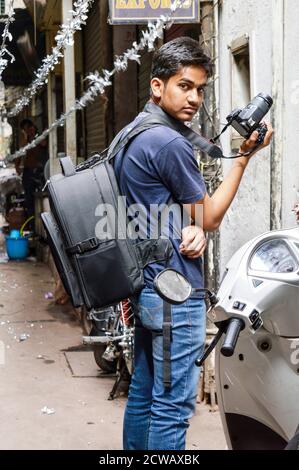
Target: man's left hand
(250, 145)
(193, 242)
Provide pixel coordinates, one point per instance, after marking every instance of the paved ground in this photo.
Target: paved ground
(51, 368)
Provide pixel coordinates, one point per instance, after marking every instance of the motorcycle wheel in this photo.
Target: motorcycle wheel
(106, 366)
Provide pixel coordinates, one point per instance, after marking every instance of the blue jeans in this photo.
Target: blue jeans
(156, 419)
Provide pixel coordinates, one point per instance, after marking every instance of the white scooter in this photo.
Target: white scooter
(257, 355)
(257, 361)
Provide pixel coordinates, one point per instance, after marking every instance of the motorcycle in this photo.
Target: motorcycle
(111, 336)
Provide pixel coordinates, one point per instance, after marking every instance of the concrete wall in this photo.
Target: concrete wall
(17, 4)
(249, 214)
(290, 156)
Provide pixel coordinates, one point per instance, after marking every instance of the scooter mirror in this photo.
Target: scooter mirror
(172, 286)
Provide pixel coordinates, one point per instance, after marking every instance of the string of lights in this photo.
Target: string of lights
(7, 57)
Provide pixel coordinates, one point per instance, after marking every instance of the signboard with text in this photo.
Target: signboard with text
(142, 11)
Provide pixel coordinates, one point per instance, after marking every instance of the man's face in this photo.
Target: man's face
(182, 95)
(29, 130)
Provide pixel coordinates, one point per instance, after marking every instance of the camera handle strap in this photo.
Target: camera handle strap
(222, 132)
(155, 116)
(246, 154)
(160, 117)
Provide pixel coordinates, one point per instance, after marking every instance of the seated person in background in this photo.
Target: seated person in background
(33, 165)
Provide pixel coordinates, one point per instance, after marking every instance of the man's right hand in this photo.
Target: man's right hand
(193, 242)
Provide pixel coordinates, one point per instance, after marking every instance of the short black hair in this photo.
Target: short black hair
(178, 53)
(26, 122)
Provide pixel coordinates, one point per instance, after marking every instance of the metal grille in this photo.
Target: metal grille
(93, 58)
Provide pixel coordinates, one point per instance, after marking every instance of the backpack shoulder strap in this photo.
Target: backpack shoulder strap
(122, 139)
(67, 166)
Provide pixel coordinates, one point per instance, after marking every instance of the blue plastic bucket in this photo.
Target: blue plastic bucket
(17, 248)
(15, 233)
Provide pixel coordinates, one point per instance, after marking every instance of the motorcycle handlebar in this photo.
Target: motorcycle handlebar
(232, 334)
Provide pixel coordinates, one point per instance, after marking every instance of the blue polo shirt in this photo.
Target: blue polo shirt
(158, 168)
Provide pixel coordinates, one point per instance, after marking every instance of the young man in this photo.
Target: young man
(158, 167)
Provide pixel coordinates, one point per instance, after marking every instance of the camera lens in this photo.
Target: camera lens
(267, 98)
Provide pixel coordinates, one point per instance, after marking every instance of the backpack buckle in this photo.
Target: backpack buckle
(83, 247)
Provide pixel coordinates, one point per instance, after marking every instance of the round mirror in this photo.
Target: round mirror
(172, 286)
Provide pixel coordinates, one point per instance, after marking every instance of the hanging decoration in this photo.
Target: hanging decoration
(64, 38)
(7, 57)
(100, 81)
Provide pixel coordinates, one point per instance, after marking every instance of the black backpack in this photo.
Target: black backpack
(97, 273)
